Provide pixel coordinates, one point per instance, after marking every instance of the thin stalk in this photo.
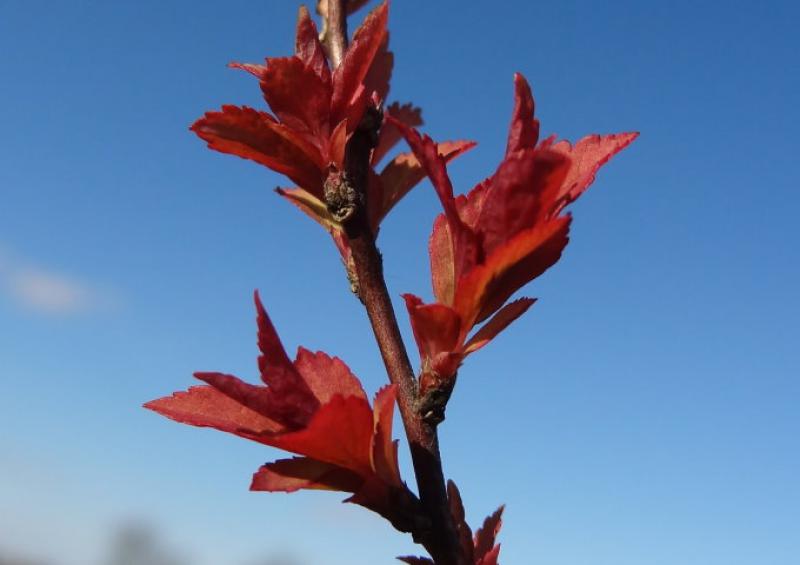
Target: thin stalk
(334, 34)
(438, 535)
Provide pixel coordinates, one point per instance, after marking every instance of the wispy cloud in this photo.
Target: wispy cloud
(47, 291)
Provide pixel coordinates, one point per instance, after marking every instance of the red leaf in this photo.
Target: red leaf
(205, 406)
(466, 250)
(380, 73)
(308, 48)
(255, 135)
(518, 193)
(403, 173)
(281, 82)
(290, 475)
(274, 363)
(326, 417)
(292, 407)
(290, 397)
(337, 144)
(327, 376)
(487, 534)
(389, 135)
(384, 450)
(491, 557)
(587, 156)
(310, 205)
(460, 520)
(255, 70)
(348, 78)
(340, 432)
(436, 327)
(526, 256)
(416, 560)
(524, 130)
(498, 323)
(443, 264)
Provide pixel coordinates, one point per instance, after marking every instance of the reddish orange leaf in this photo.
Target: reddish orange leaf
(340, 433)
(310, 205)
(587, 156)
(416, 560)
(485, 537)
(314, 407)
(308, 48)
(282, 80)
(290, 475)
(498, 323)
(327, 376)
(205, 406)
(460, 521)
(501, 235)
(348, 78)
(442, 259)
(390, 135)
(384, 450)
(255, 135)
(437, 328)
(524, 257)
(524, 130)
(517, 197)
(380, 73)
(402, 174)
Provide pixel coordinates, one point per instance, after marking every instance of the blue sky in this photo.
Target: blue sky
(644, 411)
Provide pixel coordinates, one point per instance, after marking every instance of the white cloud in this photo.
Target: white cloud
(48, 292)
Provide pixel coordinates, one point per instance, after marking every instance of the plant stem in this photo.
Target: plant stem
(438, 535)
(441, 540)
(335, 30)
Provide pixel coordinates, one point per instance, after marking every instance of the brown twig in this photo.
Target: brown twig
(334, 29)
(441, 539)
(438, 533)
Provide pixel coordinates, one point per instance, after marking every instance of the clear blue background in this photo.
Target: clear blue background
(645, 410)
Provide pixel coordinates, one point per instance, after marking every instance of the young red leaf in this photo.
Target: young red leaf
(464, 242)
(310, 113)
(498, 323)
(436, 327)
(205, 406)
(327, 376)
(460, 521)
(501, 235)
(348, 78)
(290, 475)
(340, 433)
(310, 205)
(291, 407)
(384, 450)
(524, 130)
(380, 72)
(308, 47)
(487, 534)
(390, 135)
(517, 197)
(313, 406)
(587, 156)
(315, 113)
(482, 291)
(491, 557)
(255, 135)
(403, 173)
(416, 560)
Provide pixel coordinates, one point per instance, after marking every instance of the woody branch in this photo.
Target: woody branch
(438, 535)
